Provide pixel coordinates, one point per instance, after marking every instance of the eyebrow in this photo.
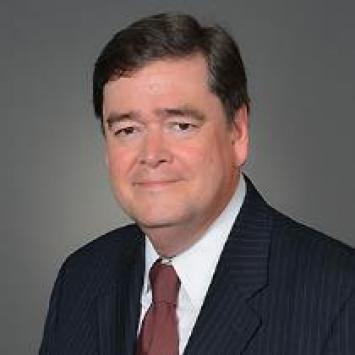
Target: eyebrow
(167, 112)
(180, 111)
(118, 117)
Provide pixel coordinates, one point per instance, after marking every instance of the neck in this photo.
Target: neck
(172, 240)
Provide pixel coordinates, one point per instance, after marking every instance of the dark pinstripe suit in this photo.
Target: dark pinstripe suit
(280, 288)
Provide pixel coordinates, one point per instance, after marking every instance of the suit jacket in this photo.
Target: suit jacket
(280, 288)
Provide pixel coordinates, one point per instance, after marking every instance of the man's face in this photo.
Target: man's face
(172, 158)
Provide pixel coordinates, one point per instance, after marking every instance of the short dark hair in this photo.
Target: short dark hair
(168, 36)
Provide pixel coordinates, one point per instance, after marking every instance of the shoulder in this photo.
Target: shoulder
(311, 257)
(112, 245)
(308, 241)
(101, 261)
(94, 270)
(296, 249)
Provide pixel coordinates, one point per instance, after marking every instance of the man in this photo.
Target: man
(172, 99)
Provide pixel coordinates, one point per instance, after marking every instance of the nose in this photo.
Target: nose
(155, 150)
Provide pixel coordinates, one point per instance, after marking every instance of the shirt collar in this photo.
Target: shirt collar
(196, 265)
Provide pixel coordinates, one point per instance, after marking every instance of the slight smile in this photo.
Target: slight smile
(154, 184)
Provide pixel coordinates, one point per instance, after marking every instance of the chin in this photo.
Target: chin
(157, 219)
(150, 222)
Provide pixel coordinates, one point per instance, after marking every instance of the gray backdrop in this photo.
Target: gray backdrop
(55, 197)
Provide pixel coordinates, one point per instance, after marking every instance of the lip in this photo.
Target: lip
(154, 184)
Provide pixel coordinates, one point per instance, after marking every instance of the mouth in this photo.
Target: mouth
(154, 184)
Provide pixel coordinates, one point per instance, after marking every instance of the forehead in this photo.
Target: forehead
(194, 64)
(162, 84)
(162, 75)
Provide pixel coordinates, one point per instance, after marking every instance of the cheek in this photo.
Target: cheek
(192, 159)
(216, 165)
(200, 164)
(211, 154)
(117, 163)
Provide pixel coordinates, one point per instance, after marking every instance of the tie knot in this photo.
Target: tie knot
(165, 283)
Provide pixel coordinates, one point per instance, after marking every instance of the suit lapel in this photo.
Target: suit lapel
(119, 307)
(228, 321)
(107, 322)
(129, 311)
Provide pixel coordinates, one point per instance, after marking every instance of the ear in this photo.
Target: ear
(240, 136)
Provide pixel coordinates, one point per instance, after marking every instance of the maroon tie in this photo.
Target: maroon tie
(159, 334)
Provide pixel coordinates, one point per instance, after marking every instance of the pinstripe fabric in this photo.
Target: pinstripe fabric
(95, 302)
(280, 288)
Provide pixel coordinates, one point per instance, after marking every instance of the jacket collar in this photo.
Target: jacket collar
(119, 307)
(228, 319)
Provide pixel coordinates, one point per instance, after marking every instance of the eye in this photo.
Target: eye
(183, 126)
(126, 131)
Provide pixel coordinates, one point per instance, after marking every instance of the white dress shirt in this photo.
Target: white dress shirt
(195, 267)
